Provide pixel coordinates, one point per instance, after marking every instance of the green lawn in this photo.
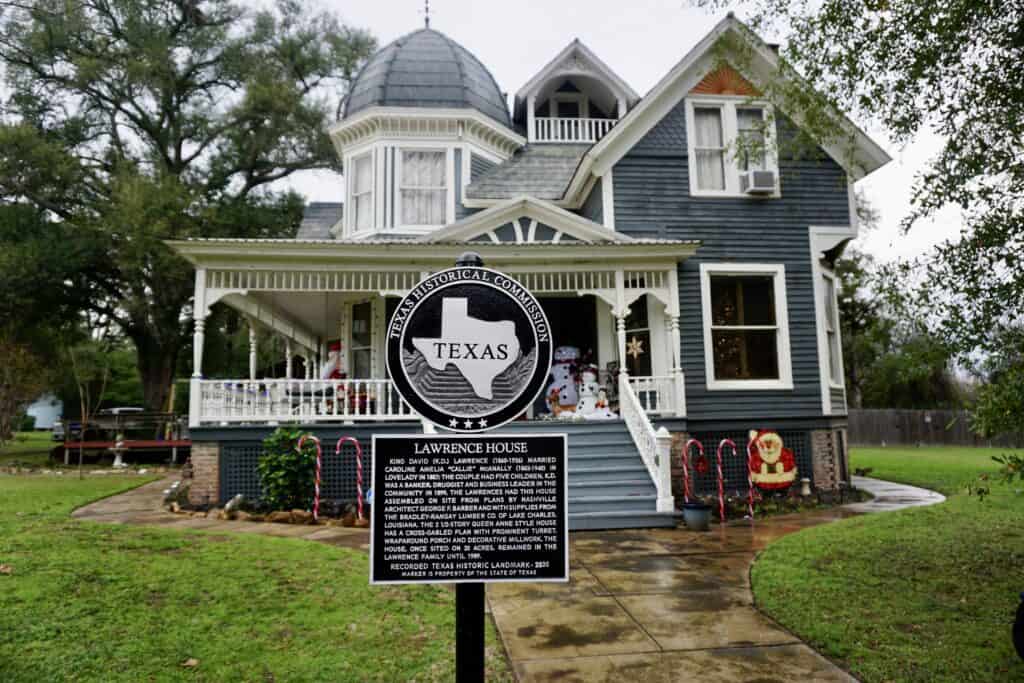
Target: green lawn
(95, 602)
(925, 594)
(27, 448)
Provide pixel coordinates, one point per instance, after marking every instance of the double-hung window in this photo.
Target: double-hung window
(424, 188)
(727, 138)
(835, 362)
(746, 326)
(362, 340)
(362, 193)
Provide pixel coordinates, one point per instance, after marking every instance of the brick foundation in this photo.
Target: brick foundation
(205, 487)
(826, 458)
(678, 441)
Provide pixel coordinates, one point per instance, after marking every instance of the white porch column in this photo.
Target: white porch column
(252, 349)
(287, 358)
(531, 117)
(199, 317)
(620, 313)
(675, 340)
(307, 365)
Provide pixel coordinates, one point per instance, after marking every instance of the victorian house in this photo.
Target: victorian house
(674, 241)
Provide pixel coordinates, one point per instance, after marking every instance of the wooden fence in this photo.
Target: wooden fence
(894, 427)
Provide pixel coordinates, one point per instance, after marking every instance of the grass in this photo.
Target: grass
(27, 449)
(96, 602)
(924, 594)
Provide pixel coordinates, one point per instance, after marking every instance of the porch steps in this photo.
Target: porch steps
(609, 486)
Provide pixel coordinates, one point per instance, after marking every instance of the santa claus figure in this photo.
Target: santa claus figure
(332, 368)
(772, 465)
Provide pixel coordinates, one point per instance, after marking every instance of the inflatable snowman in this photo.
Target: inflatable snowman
(591, 406)
(562, 395)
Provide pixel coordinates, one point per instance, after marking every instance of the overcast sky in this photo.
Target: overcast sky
(640, 41)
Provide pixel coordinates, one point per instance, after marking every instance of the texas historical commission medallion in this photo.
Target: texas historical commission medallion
(469, 349)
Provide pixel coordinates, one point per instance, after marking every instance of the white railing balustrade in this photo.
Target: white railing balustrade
(654, 446)
(568, 130)
(300, 400)
(656, 395)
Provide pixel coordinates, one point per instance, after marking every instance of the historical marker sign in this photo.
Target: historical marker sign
(469, 508)
(469, 349)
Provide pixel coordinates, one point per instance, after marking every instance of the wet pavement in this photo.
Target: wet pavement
(655, 605)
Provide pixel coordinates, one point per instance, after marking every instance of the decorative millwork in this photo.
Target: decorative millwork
(319, 280)
(379, 123)
(725, 80)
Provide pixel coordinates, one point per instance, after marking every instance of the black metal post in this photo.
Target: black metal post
(469, 633)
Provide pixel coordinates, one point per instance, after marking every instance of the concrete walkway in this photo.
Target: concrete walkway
(651, 605)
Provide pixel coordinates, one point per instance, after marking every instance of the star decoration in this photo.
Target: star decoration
(453, 423)
(468, 424)
(635, 348)
(482, 423)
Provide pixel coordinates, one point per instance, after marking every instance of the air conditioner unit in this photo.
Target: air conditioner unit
(757, 182)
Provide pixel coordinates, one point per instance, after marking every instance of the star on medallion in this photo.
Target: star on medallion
(482, 422)
(468, 424)
(635, 348)
(453, 423)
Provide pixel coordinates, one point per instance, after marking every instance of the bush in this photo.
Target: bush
(25, 423)
(287, 476)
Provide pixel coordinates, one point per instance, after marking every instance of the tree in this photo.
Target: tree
(130, 122)
(23, 377)
(952, 68)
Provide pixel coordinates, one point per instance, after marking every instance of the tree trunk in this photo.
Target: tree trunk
(157, 364)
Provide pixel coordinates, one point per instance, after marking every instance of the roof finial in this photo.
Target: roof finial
(426, 13)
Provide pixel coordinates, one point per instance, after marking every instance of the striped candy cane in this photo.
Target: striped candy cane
(359, 469)
(319, 464)
(686, 466)
(750, 480)
(721, 478)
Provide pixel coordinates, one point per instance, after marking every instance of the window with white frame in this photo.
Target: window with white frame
(831, 315)
(746, 326)
(727, 137)
(423, 188)
(362, 193)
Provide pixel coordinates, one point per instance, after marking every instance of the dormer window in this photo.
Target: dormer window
(423, 188)
(730, 148)
(362, 193)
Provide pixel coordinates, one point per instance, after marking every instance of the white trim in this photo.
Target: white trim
(728, 106)
(555, 68)
(536, 209)
(778, 272)
(608, 200)
(822, 239)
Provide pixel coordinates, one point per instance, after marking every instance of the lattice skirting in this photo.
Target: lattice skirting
(238, 472)
(734, 467)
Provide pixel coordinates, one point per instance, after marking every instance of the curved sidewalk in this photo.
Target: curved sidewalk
(657, 605)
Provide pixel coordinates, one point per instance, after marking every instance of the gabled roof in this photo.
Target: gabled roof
(576, 59)
(537, 211)
(541, 171)
(762, 63)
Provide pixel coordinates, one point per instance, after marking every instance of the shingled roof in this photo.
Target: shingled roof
(427, 69)
(318, 219)
(541, 171)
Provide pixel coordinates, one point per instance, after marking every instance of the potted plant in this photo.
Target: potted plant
(697, 514)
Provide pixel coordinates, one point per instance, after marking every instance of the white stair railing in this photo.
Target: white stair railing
(655, 447)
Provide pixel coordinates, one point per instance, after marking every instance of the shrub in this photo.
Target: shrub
(287, 475)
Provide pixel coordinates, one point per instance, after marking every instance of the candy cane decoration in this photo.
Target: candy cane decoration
(750, 480)
(721, 479)
(686, 466)
(319, 464)
(359, 470)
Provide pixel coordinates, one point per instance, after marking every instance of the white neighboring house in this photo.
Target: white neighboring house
(47, 410)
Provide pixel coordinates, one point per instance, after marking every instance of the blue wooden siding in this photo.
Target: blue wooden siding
(478, 166)
(652, 198)
(593, 206)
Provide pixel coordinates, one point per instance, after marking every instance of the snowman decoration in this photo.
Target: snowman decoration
(562, 395)
(591, 406)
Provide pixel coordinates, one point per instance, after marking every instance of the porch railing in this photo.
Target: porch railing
(655, 446)
(569, 130)
(300, 400)
(660, 395)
